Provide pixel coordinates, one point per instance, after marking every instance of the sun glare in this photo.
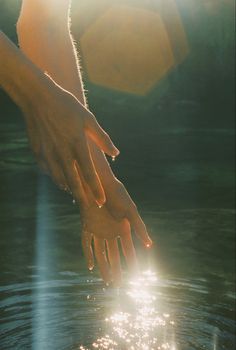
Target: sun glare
(138, 323)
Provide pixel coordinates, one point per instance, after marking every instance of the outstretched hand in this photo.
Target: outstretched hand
(58, 126)
(120, 205)
(104, 229)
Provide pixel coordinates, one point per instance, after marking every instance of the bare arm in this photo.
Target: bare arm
(48, 42)
(18, 76)
(44, 52)
(50, 46)
(47, 108)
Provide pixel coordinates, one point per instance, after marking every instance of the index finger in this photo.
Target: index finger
(114, 260)
(73, 179)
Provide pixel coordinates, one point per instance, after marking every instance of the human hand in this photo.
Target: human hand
(121, 206)
(58, 126)
(105, 230)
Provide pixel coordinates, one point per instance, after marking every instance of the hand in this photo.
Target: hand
(58, 125)
(105, 230)
(121, 206)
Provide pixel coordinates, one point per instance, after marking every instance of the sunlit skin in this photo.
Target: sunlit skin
(106, 230)
(66, 138)
(57, 134)
(57, 123)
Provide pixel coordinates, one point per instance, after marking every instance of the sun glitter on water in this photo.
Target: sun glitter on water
(137, 323)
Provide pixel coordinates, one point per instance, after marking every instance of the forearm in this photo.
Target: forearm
(50, 46)
(44, 36)
(18, 75)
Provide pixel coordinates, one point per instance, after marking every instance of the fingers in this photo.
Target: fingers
(100, 137)
(73, 180)
(138, 226)
(83, 186)
(87, 248)
(129, 251)
(100, 253)
(114, 259)
(88, 170)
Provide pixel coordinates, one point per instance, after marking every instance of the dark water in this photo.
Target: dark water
(177, 161)
(184, 299)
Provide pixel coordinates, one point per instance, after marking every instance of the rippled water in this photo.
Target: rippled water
(177, 160)
(183, 299)
(150, 312)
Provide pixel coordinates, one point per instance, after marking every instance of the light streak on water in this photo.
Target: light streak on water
(44, 264)
(137, 323)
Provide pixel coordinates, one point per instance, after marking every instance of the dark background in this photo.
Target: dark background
(187, 117)
(177, 147)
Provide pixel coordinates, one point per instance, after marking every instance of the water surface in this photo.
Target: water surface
(183, 299)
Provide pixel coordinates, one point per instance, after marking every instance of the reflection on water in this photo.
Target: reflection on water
(137, 322)
(48, 299)
(176, 160)
(74, 311)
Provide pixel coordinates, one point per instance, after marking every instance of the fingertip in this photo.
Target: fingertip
(100, 197)
(101, 201)
(109, 148)
(91, 266)
(116, 152)
(148, 243)
(98, 193)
